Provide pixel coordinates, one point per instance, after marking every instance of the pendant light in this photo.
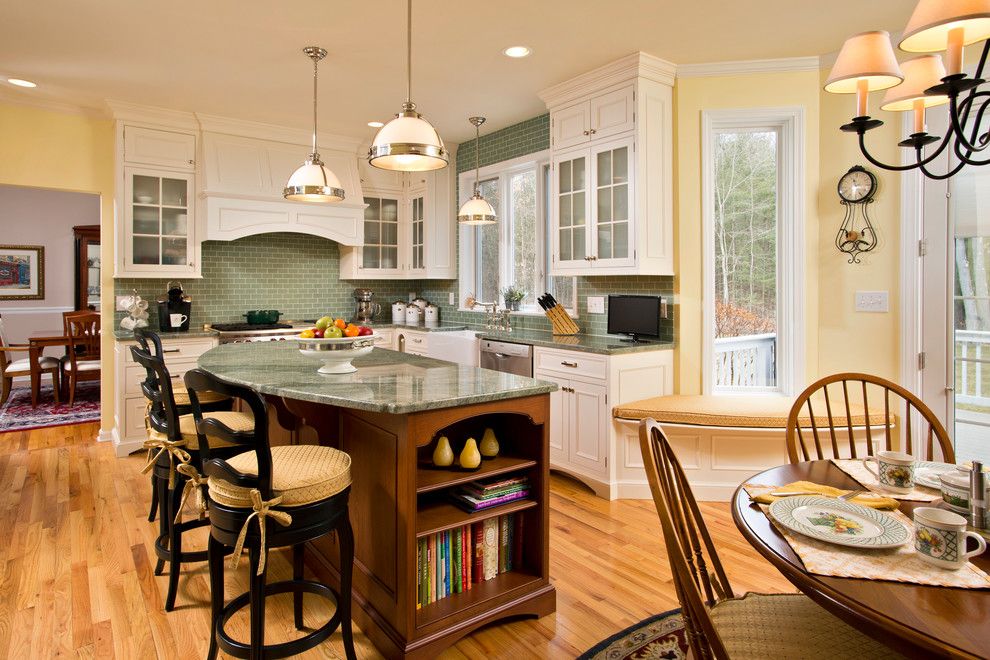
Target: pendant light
(313, 181)
(477, 210)
(408, 143)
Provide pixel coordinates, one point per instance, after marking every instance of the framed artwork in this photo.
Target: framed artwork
(22, 272)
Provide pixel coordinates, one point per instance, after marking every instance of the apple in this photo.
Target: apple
(333, 332)
(318, 333)
(363, 330)
(324, 322)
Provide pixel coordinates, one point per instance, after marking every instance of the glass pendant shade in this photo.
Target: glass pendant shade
(408, 143)
(920, 73)
(928, 28)
(866, 58)
(476, 211)
(313, 182)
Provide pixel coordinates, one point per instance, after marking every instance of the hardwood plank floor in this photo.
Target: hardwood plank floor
(76, 559)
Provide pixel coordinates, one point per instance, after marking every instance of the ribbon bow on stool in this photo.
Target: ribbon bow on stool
(175, 452)
(262, 510)
(194, 484)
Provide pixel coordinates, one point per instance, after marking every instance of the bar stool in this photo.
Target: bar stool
(303, 489)
(174, 462)
(151, 343)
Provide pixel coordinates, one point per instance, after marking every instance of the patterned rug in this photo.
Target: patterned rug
(658, 637)
(18, 415)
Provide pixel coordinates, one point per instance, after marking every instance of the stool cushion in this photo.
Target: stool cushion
(181, 396)
(741, 411)
(301, 474)
(237, 421)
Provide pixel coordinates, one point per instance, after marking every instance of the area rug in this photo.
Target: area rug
(18, 415)
(658, 637)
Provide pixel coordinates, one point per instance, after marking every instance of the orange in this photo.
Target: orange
(340, 323)
(351, 331)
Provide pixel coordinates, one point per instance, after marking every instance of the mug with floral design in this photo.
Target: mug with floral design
(940, 538)
(895, 470)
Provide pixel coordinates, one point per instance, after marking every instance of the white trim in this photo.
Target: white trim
(911, 284)
(35, 310)
(743, 67)
(623, 70)
(791, 237)
(32, 100)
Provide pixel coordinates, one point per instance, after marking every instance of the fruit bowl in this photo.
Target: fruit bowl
(336, 353)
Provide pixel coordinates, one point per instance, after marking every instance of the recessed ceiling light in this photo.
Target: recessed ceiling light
(21, 83)
(375, 124)
(517, 51)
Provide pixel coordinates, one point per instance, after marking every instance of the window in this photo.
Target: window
(753, 246)
(515, 250)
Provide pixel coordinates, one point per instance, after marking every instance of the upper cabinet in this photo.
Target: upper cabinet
(611, 128)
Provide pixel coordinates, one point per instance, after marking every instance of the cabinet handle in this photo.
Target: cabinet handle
(587, 133)
(172, 350)
(417, 341)
(572, 365)
(174, 376)
(593, 131)
(192, 162)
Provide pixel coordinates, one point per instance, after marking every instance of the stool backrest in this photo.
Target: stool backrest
(209, 429)
(157, 388)
(149, 341)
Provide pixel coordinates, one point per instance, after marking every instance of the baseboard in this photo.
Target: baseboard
(105, 436)
(124, 447)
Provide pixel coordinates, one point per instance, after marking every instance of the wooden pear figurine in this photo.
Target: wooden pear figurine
(489, 444)
(443, 455)
(470, 456)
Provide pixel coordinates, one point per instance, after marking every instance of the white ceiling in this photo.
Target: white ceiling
(242, 58)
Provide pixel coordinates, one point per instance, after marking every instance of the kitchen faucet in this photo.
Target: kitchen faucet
(496, 319)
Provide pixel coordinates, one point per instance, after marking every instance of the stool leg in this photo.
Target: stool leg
(214, 553)
(345, 539)
(257, 604)
(154, 498)
(298, 552)
(174, 545)
(161, 487)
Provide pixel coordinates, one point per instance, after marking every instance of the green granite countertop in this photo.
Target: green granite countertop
(602, 344)
(443, 327)
(386, 381)
(127, 335)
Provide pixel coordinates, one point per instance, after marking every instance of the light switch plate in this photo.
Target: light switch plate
(450, 298)
(596, 304)
(872, 301)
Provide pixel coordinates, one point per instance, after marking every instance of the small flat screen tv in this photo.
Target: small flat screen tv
(636, 316)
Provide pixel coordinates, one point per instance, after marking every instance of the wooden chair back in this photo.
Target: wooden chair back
(67, 315)
(699, 578)
(198, 381)
(163, 415)
(83, 336)
(4, 360)
(829, 414)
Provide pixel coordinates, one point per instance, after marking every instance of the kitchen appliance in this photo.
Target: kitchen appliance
(262, 316)
(507, 357)
(175, 306)
(236, 333)
(413, 314)
(431, 316)
(398, 312)
(636, 316)
(365, 310)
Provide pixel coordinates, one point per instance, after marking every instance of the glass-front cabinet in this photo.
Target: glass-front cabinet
(381, 234)
(159, 231)
(417, 228)
(573, 205)
(612, 200)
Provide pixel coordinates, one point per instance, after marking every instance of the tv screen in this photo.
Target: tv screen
(634, 315)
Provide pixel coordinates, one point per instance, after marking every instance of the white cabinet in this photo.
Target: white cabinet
(416, 342)
(611, 128)
(578, 436)
(150, 146)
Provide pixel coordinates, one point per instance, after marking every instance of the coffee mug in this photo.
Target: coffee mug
(940, 538)
(896, 470)
(177, 320)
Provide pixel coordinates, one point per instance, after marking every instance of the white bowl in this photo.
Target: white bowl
(336, 353)
(144, 199)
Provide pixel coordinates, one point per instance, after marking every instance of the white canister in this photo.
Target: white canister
(413, 314)
(431, 315)
(421, 303)
(398, 312)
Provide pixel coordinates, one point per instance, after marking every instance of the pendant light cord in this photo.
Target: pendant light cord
(477, 158)
(409, 51)
(316, 62)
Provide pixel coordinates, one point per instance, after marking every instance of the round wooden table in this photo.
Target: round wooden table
(918, 620)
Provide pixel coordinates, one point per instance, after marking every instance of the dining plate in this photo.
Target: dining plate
(927, 473)
(837, 521)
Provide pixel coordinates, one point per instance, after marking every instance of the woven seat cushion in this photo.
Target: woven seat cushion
(237, 421)
(82, 365)
(25, 364)
(301, 474)
(740, 411)
(791, 626)
(181, 396)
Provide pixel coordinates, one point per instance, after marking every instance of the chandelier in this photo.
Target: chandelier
(866, 63)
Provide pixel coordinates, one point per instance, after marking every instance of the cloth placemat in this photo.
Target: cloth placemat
(855, 469)
(894, 564)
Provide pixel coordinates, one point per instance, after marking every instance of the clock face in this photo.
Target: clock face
(856, 185)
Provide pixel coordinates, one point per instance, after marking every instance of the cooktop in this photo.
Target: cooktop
(247, 327)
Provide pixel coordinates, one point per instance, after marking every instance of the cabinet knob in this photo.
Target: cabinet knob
(593, 131)
(587, 133)
(192, 162)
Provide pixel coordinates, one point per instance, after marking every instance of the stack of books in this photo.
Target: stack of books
(478, 495)
(453, 561)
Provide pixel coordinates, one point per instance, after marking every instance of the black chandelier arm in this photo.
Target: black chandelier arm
(976, 142)
(919, 160)
(942, 177)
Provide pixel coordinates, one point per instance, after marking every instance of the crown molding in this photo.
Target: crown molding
(744, 67)
(29, 100)
(147, 114)
(630, 67)
(263, 131)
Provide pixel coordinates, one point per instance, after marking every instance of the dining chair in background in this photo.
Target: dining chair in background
(717, 623)
(11, 368)
(832, 413)
(82, 359)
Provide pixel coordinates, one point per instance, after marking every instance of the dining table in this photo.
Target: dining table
(38, 341)
(918, 620)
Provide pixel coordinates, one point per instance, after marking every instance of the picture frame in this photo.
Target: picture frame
(22, 272)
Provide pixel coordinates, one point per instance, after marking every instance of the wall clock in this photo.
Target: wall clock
(856, 189)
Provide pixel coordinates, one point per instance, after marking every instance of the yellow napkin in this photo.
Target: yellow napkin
(871, 500)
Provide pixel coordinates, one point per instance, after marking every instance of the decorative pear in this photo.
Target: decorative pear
(470, 456)
(443, 455)
(489, 444)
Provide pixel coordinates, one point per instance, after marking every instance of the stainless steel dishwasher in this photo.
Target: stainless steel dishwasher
(508, 357)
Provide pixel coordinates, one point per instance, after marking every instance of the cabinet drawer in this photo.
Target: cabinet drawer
(153, 147)
(135, 374)
(173, 351)
(383, 338)
(134, 413)
(571, 363)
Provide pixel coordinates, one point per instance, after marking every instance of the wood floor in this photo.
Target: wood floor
(76, 566)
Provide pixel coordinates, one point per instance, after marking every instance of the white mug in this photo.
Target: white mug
(177, 320)
(895, 470)
(940, 538)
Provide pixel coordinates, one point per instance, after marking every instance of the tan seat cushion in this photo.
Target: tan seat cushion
(237, 421)
(301, 474)
(181, 396)
(741, 411)
(25, 364)
(82, 365)
(792, 626)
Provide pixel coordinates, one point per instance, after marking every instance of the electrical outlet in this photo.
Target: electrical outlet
(451, 300)
(596, 304)
(872, 301)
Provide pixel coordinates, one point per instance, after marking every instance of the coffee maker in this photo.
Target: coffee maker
(366, 310)
(174, 309)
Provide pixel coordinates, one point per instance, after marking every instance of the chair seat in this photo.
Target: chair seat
(301, 474)
(791, 626)
(24, 364)
(82, 365)
(238, 421)
(181, 396)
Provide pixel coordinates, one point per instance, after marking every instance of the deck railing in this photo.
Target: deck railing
(747, 361)
(973, 367)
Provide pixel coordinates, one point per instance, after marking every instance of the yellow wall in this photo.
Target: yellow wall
(67, 151)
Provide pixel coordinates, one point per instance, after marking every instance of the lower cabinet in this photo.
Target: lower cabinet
(585, 442)
(412, 341)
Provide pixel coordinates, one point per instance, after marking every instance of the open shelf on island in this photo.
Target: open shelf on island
(429, 479)
(440, 516)
(499, 586)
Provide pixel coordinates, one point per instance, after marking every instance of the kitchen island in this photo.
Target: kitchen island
(388, 416)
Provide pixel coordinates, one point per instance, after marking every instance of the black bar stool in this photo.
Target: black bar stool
(175, 465)
(302, 489)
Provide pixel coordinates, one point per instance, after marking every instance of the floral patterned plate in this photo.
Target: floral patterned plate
(836, 521)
